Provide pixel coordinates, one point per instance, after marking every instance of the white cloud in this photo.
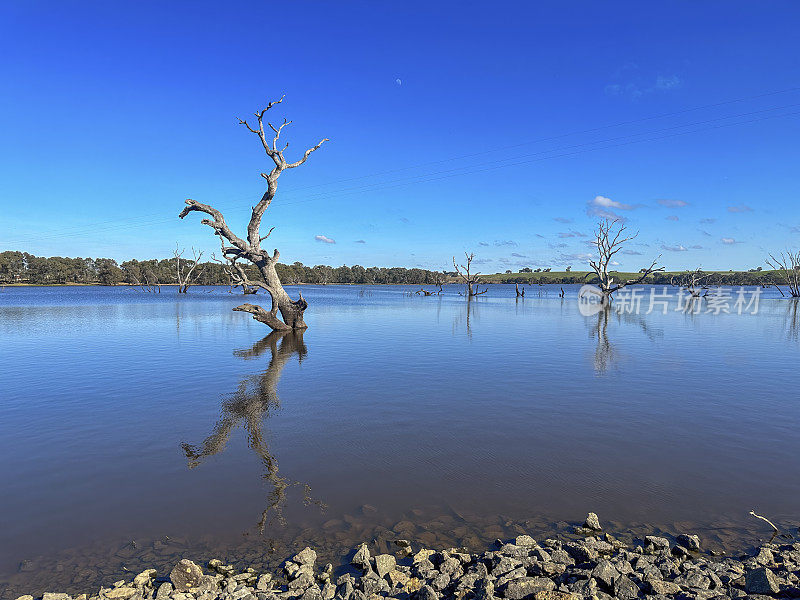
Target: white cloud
(505, 243)
(668, 83)
(670, 203)
(604, 207)
(562, 220)
(728, 241)
(324, 238)
(360, 242)
(676, 248)
(742, 208)
(672, 218)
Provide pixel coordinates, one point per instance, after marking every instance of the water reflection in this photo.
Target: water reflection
(606, 355)
(792, 320)
(254, 401)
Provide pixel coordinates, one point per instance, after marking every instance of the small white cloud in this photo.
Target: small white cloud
(676, 248)
(707, 221)
(567, 234)
(728, 241)
(325, 239)
(631, 252)
(696, 247)
(562, 220)
(670, 203)
(360, 242)
(672, 218)
(505, 243)
(742, 208)
(668, 83)
(398, 81)
(603, 207)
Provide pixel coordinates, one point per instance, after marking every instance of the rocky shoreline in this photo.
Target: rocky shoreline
(597, 566)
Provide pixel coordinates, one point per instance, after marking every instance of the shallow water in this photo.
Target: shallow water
(137, 427)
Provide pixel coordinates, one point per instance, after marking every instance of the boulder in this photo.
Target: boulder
(186, 576)
(592, 522)
(761, 581)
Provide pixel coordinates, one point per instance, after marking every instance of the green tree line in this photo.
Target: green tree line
(21, 267)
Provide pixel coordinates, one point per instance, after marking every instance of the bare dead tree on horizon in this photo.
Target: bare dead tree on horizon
(787, 264)
(249, 249)
(185, 268)
(609, 239)
(470, 279)
(691, 281)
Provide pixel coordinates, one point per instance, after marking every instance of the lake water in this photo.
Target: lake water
(137, 427)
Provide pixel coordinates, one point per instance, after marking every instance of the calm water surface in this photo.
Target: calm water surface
(138, 427)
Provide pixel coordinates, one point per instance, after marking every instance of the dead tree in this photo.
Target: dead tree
(610, 238)
(520, 293)
(691, 281)
(787, 264)
(237, 277)
(249, 248)
(185, 268)
(470, 279)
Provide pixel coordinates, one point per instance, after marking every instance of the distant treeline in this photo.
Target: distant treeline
(724, 278)
(21, 267)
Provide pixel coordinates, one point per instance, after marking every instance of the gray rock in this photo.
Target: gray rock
(625, 589)
(384, 563)
(426, 592)
(580, 552)
(305, 557)
(164, 591)
(441, 581)
(524, 540)
(592, 522)
(664, 588)
(761, 581)
(188, 577)
(605, 573)
(525, 587)
(692, 542)
(361, 557)
(302, 581)
(56, 596)
(659, 543)
(264, 583)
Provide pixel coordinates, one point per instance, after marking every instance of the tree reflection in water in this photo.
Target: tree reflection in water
(254, 400)
(605, 354)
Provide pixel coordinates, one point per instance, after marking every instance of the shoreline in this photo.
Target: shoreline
(590, 564)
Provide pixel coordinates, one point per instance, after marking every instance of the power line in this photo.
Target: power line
(118, 224)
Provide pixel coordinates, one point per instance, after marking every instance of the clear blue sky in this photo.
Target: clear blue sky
(499, 128)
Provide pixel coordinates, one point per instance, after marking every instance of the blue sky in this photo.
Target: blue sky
(503, 128)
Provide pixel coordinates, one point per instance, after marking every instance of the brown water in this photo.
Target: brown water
(140, 428)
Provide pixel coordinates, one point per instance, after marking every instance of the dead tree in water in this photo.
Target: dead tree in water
(610, 239)
(691, 281)
(185, 269)
(235, 272)
(249, 249)
(470, 279)
(787, 264)
(520, 293)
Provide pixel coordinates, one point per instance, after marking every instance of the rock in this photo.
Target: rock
(761, 581)
(120, 593)
(605, 573)
(264, 583)
(305, 557)
(524, 540)
(397, 578)
(423, 555)
(592, 522)
(361, 557)
(164, 591)
(426, 592)
(484, 589)
(527, 586)
(664, 588)
(625, 589)
(384, 563)
(144, 578)
(188, 577)
(25, 598)
(580, 552)
(441, 581)
(692, 542)
(554, 595)
(302, 581)
(659, 543)
(55, 596)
